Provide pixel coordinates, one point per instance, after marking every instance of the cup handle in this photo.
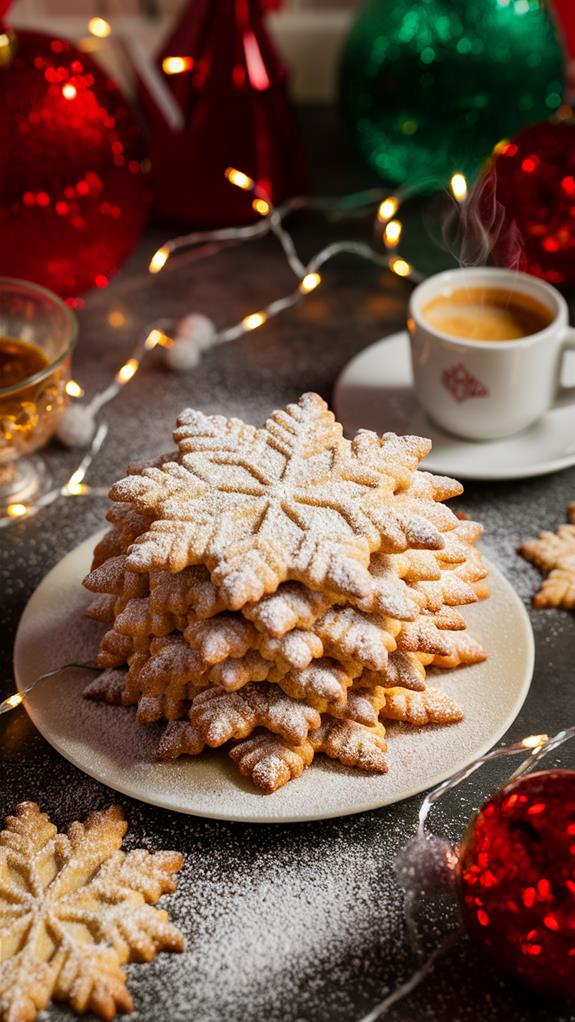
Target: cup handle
(565, 395)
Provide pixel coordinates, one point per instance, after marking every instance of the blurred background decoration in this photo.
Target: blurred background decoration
(431, 92)
(73, 166)
(532, 180)
(229, 86)
(430, 86)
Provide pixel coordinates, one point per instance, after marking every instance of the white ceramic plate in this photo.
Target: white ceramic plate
(108, 744)
(375, 391)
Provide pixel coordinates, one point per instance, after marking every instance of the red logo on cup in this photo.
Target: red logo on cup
(461, 384)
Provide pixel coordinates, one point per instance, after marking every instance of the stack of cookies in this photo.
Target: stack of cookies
(283, 589)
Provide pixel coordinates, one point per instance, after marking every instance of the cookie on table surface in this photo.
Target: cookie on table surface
(554, 553)
(74, 909)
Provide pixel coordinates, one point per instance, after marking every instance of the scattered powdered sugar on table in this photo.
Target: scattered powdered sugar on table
(366, 953)
(297, 909)
(278, 926)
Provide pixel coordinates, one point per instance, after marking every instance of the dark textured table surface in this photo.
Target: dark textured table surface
(285, 923)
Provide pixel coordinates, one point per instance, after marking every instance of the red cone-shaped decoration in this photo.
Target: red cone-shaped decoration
(232, 94)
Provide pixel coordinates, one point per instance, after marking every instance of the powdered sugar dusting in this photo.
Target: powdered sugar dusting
(108, 742)
(291, 499)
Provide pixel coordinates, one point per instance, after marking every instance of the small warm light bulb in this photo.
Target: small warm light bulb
(261, 206)
(116, 318)
(16, 510)
(99, 27)
(254, 320)
(127, 371)
(458, 186)
(564, 112)
(392, 233)
(309, 282)
(13, 700)
(159, 259)
(388, 208)
(534, 741)
(177, 65)
(500, 146)
(400, 267)
(6, 41)
(69, 91)
(156, 337)
(74, 389)
(74, 484)
(76, 489)
(239, 179)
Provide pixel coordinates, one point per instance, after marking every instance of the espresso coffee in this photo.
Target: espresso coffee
(486, 314)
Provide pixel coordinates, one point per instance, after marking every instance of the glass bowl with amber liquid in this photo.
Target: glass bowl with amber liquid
(37, 337)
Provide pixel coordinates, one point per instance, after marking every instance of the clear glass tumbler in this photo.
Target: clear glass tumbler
(38, 326)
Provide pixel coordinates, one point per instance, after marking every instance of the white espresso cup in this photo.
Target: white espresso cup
(480, 389)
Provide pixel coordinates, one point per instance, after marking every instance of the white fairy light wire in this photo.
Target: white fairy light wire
(11, 702)
(74, 487)
(309, 279)
(308, 276)
(271, 221)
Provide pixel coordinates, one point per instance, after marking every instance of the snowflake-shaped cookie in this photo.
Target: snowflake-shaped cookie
(73, 909)
(290, 500)
(554, 552)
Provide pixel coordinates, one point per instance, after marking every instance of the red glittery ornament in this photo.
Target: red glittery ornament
(233, 98)
(73, 189)
(517, 880)
(532, 178)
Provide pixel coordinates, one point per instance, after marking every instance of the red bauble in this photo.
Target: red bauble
(517, 880)
(73, 189)
(235, 112)
(565, 14)
(532, 178)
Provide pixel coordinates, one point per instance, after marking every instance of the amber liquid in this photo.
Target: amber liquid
(19, 360)
(30, 410)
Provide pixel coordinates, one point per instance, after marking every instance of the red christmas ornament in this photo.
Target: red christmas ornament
(73, 188)
(230, 87)
(517, 880)
(565, 14)
(532, 179)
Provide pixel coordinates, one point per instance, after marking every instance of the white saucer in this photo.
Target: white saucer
(375, 391)
(107, 743)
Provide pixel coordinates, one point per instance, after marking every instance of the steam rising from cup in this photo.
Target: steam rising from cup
(472, 228)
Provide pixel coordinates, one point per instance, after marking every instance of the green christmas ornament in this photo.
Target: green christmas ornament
(428, 87)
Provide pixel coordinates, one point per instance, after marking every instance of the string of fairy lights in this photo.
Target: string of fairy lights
(388, 225)
(78, 426)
